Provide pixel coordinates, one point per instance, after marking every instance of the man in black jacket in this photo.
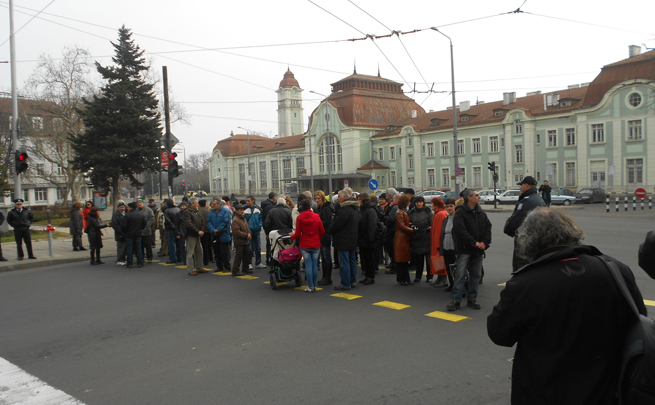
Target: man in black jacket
(344, 233)
(267, 205)
(21, 219)
(135, 223)
(528, 200)
(169, 225)
(566, 315)
(545, 191)
(472, 235)
(279, 217)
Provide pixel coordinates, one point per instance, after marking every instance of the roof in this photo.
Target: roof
(237, 145)
(25, 106)
(372, 165)
(289, 81)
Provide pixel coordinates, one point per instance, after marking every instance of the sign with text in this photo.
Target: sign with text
(164, 159)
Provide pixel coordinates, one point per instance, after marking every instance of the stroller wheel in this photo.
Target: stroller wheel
(298, 280)
(273, 282)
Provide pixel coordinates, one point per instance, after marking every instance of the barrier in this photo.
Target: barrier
(635, 201)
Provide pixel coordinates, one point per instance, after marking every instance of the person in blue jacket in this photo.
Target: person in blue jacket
(253, 215)
(219, 223)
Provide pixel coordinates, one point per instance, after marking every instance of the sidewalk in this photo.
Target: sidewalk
(62, 253)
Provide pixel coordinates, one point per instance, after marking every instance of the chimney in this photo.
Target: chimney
(635, 50)
(414, 113)
(509, 98)
(464, 106)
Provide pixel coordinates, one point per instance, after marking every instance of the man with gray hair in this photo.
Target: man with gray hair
(566, 315)
(279, 217)
(194, 225)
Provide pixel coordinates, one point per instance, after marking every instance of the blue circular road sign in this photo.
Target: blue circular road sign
(373, 184)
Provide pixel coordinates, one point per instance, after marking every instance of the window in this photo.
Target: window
(635, 171)
(410, 160)
(37, 123)
(476, 145)
(41, 194)
(275, 175)
(477, 177)
(493, 144)
(410, 181)
(326, 154)
(518, 154)
(552, 138)
(410, 140)
(242, 176)
(518, 177)
(434, 122)
(393, 179)
(432, 181)
(565, 103)
(551, 174)
(445, 150)
(400, 151)
(60, 171)
(392, 153)
(431, 149)
(465, 118)
(382, 180)
(634, 99)
(597, 133)
(634, 130)
(262, 175)
(538, 139)
(460, 147)
(61, 193)
(286, 167)
(518, 128)
(300, 165)
(40, 171)
(498, 114)
(381, 153)
(570, 136)
(445, 177)
(570, 173)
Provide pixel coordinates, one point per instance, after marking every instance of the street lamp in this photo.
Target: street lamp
(248, 171)
(452, 79)
(327, 129)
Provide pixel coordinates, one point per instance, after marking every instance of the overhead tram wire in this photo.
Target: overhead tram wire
(28, 21)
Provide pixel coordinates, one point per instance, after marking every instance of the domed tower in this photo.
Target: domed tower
(289, 107)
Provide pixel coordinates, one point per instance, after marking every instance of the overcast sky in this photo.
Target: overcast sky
(226, 58)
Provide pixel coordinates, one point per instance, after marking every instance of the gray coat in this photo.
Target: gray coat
(75, 227)
(421, 241)
(150, 220)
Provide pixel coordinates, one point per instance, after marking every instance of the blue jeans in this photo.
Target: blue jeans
(472, 264)
(311, 265)
(348, 259)
(171, 245)
(256, 248)
(131, 245)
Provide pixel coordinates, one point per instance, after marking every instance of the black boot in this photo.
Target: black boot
(98, 257)
(93, 260)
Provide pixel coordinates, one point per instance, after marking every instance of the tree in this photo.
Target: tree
(121, 137)
(59, 88)
(197, 172)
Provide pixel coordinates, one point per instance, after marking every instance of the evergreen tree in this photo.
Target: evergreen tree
(121, 137)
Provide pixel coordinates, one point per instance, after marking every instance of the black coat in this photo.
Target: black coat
(326, 213)
(135, 222)
(528, 201)
(279, 217)
(75, 227)
(368, 221)
(421, 240)
(390, 222)
(21, 219)
(545, 191)
(94, 232)
(568, 320)
(267, 205)
(345, 226)
(469, 227)
(118, 222)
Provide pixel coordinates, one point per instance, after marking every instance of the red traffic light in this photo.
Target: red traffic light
(183, 184)
(20, 162)
(22, 157)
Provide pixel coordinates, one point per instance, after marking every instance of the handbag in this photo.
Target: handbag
(637, 371)
(437, 265)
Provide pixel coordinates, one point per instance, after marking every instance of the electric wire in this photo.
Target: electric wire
(28, 21)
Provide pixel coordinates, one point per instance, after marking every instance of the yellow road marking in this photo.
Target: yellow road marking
(167, 264)
(346, 296)
(278, 283)
(502, 285)
(247, 277)
(392, 305)
(649, 303)
(227, 273)
(447, 316)
(181, 267)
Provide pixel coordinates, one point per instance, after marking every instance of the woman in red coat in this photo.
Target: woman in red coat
(440, 215)
(309, 229)
(401, 242)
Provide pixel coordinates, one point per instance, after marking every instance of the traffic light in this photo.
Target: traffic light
(183, 184)
(492, 166)
(173, 167)
(21, 162)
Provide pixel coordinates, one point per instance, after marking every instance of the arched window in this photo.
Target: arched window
(329, 152)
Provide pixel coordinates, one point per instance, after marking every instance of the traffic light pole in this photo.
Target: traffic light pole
(14, 100)
(167, 116)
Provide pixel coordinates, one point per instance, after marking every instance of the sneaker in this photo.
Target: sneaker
(353, 285)
(308, 290)
(473, 304)
(440, 284)
(250, 267)
(453, 306)
(260, 266)
(313, 289)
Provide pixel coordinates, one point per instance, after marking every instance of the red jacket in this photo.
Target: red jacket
(309, 228)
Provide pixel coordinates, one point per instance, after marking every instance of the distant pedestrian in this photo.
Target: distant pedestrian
(153, 207)
(163, 238)
(309, 229)
(75, 228)
(194, 225)
(401, 243)
(242, 236)
(219, 223)
(206, 239)
(545, 191)
(326, 213)
(267, 205)
(21, 219)
(344, 233)
(366, 241)
(2, 221)
(94, 233)
(253, 215)
(180, 234)
(85, 212)
(135, 222)
(421, 239)
(118, 224)
(169, 224)
(146, 234)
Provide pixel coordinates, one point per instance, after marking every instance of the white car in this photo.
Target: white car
(509, 197)
(487, 196)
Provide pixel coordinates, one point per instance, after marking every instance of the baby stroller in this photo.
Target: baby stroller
(285, 263)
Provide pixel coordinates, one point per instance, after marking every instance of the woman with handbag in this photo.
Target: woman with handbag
(309, 229)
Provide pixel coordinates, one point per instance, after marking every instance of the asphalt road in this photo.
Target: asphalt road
(111, 335)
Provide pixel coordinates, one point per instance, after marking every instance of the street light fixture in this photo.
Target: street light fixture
(248, 170)
(452, 79)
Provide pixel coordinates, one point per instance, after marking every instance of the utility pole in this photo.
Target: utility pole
(14, 100)
(167, 116)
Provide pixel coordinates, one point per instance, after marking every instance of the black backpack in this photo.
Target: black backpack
(637, 373)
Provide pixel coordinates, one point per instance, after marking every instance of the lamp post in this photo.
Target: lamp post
(248, 170)
(452, 79)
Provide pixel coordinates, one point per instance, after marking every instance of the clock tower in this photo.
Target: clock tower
(289, 106)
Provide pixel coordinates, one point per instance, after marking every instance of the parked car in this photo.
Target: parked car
(562, 196)
(509, 197)
(487, 196)
(429, 194)
(449, 194)
(562, 190)
(590, 195)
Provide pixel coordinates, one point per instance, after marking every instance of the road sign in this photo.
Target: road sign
(640, 193)
(458, 171)
(345, 183)
(164, 158)
(174, 140)
(373, 184)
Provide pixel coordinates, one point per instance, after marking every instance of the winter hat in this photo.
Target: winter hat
(132, 205)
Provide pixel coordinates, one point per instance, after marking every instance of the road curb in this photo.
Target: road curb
(25, 264)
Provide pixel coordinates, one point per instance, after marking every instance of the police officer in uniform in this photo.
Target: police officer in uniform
(528, 200)
(21, 219)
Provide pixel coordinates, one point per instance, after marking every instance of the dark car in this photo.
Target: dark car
(590, 195)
